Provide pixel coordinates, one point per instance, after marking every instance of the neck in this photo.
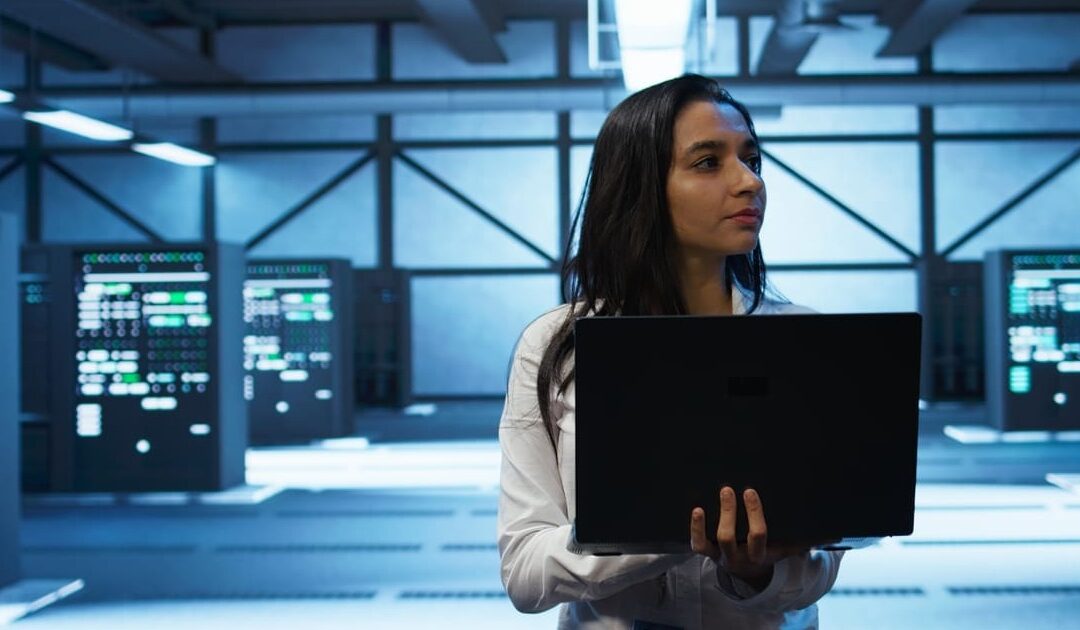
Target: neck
(704, 285)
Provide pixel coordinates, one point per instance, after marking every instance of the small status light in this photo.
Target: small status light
(142, 446)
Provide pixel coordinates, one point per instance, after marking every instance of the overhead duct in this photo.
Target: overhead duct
(795, 30)
(149, 101)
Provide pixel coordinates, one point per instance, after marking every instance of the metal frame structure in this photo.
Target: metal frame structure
(384, 150)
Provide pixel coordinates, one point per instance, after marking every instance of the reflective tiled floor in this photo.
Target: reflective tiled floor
(401, 535)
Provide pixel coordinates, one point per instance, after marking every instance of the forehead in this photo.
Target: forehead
(704, 119)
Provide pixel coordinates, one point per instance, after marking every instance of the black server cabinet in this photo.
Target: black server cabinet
(382, 348)
(9, 405)
(1033, 339)
(297, 349)
(38, 360)
(150, 389)
(954, 363)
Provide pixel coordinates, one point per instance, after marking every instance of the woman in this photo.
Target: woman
(670, 223)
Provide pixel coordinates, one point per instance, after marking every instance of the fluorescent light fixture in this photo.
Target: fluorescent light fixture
(79, 125)
(652, 40)
(642, 67)
(6, 97)
(174, 153)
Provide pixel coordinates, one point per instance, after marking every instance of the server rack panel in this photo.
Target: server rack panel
(297, 344)
(1033, 339)
(954, 366)
(39, 332)
(35, 297)
(9, 406)
(152, 395)
(382, 344)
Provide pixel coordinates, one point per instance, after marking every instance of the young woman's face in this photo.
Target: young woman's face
(714, 190)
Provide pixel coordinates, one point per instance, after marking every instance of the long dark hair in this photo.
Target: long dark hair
(625, 261)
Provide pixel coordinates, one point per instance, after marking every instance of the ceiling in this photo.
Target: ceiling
(84, 35)
(298, 11)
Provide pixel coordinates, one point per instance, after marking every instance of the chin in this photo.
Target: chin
(743, 247)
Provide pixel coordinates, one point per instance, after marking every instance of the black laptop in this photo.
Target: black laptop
(818, 413)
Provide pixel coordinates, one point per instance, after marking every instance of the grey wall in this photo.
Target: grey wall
(824, 164)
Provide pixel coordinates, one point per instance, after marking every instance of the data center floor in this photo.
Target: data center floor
(400, 534)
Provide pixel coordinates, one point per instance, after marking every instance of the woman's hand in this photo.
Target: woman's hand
(751, 562)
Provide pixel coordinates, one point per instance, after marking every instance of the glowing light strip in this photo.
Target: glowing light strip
(313, 283)
(79, 125)
(193, 276)
(174, 153)
(1051, 274)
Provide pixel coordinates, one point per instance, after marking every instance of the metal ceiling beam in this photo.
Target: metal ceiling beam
(918, 30)
(181, 10)
(896, 12)
(555, 95)
(787, 44)
(117, 39)
(48, 49)
(465, 27)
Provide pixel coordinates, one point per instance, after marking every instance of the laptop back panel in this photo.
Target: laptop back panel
(818, 413)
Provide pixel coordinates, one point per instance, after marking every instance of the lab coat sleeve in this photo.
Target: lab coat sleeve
(797, 582)
(534, 530)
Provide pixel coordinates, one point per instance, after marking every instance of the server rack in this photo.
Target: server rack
(382, 344)
(1033, 339)
(149, 394)
(297, 349)
(9, 408)
(955, 364)
(39, 335)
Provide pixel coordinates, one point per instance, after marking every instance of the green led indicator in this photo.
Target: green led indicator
(1019, 379)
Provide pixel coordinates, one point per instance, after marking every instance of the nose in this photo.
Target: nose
(748, 182)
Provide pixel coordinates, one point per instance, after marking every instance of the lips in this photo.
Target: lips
(747, 212)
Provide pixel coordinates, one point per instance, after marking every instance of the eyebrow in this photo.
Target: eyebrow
(703, 145)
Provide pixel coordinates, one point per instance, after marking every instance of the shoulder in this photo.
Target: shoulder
(539, 332)
(776, 307)
(772, 303)
(773, 306)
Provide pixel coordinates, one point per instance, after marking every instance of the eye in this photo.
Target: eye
(754, 162)
(707, 163)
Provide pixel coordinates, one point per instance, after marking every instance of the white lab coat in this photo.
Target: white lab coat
(536, 509)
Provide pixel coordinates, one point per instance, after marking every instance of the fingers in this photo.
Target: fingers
(757, 537)
(698, 542)
(725, 530)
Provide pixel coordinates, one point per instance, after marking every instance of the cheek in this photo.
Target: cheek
(680, 205)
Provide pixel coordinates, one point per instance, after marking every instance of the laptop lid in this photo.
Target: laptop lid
(818, 413)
